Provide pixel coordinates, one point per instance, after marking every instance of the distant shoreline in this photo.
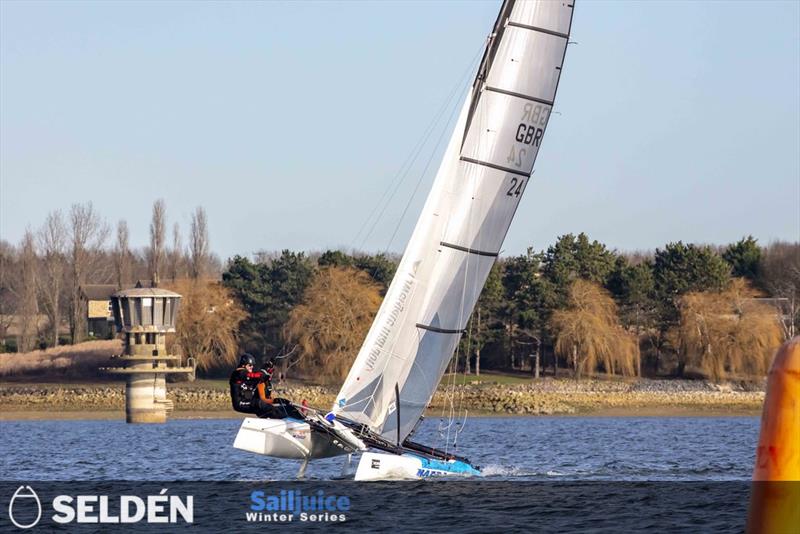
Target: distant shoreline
(546, 397)
(111, 415)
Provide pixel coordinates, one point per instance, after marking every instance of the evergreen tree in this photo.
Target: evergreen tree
(744, 258)
(484, 326)
(335, 258)
(380, 268)
(289, 276)
(679, 269)
(572, 258)
(633, 287)
(250, 284)
(268, 292)
(527, 302)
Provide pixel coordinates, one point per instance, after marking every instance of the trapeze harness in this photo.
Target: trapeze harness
(251, 392)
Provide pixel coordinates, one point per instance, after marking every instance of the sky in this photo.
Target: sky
(290, 121)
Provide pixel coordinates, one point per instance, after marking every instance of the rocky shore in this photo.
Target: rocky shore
(543, 397)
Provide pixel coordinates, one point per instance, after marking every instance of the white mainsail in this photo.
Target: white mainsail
(457, 239)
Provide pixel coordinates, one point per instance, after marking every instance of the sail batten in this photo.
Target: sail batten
(537, 29)
(469, 250)
(484, 172)
(439, 330)
(494, 166)
(520, 95)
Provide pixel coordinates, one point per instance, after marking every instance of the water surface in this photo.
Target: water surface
(507, 448)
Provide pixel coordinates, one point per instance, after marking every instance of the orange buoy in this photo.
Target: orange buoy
(775, 494)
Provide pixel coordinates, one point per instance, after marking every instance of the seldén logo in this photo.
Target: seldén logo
(24, 498)
(160, 508)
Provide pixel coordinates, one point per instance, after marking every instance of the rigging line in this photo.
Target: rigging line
(460, 429)
(427, 164)
(462, 306)
(453, 378)
(474, 178)
(372, 395)
(467, 353)
(419, 181)
(401, 174)
(411, 158)
(448, 401)
(386, 363)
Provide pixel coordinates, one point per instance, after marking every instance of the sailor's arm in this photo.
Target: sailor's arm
(262, 393)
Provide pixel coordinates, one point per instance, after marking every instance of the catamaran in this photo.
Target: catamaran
(485, 170)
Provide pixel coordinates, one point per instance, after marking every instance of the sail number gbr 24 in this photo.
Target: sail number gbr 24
(529, 132)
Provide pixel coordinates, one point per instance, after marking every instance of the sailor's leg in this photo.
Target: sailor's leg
(346, 466)
(302, 472)
(287, 409)
(267, 411)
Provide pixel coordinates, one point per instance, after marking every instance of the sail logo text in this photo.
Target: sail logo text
(424, 473)
(386, 328)
(288, 506)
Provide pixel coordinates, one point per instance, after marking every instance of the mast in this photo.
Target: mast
(483, 174)
(488, 55)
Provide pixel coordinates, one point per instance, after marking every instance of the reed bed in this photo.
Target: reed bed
(64, 362)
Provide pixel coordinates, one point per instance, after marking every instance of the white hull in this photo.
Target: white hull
(293, 439)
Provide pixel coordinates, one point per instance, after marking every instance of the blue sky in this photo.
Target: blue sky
(288, 121)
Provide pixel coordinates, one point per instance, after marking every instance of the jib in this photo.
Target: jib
(529, 134)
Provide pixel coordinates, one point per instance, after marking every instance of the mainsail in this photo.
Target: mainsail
(485, 170)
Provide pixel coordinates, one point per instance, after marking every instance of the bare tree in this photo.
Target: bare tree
(198, 243)
(157, 239)
(8, 272)
(88, 232)
(727, 333)
(333, 319)
(27, 304)
(176, 253)
(208, 323)
(588, 332)
(122, 256)
(780, 276)
(53, 246)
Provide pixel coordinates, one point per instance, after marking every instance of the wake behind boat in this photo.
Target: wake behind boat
(458, 237)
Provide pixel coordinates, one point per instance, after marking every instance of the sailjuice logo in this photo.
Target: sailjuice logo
(21, 508)
(293, 505)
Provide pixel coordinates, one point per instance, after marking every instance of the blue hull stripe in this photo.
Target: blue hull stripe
(430, 466)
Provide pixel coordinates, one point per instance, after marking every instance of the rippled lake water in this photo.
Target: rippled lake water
(507, 448)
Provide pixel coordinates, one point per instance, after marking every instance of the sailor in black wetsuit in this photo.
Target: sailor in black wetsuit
(251, 392)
